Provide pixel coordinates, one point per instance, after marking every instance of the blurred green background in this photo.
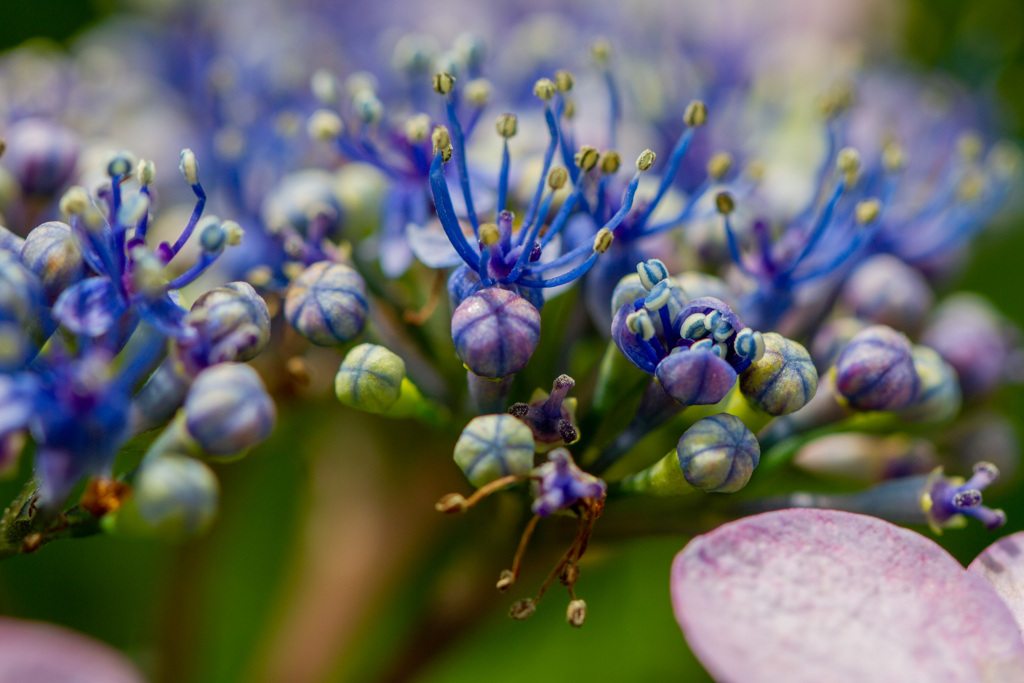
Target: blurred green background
(215, 605)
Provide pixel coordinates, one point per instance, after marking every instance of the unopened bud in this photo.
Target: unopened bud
(324, 125)
(506, 125)
(557, 178)
(645, 160)
(867, 211)
(609, 162)
(417, 128)
(576, 614)
(544, 89)
(505, 580)
(725, 203)
(443, 82)
(603, 240)
(564, 80)
(696, 114)
(451, 504)
(586, 158)
(522, 609)
(719, 165)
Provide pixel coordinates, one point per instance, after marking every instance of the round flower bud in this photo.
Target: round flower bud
(495, 332)
(695, 377)
(370, 378)
(305, 201)
(232, 323)
(783, 380)
(176, 495)
(939, 397)
(228, 410)
(494, 446)
(831, 339)
(885, 290)
(718, 454)
(51, 251)
(326, 303)
(876, 370)
(41, 155)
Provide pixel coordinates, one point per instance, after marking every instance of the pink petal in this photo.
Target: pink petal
(34, 651)
(1002, 565)
(824, 596)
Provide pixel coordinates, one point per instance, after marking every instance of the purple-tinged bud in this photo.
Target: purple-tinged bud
(886, 291)
(980, 344)
(52, 252)
(866, 458)
(326, 303)
(176, 495)
(551, 417)
(718, 454)
(41, 156)
(228, 410)
(831, 339)
(876, 370)
(232, 323)
(938, 398)
(307, 202)
(560, 484)
(495, 332)
(494, 446)
(783, 380)
(696, 376)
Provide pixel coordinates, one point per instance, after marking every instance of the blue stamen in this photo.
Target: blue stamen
(564, 278)
(459, 148)
(675, 161)
(503, 178)
(197, 213)
(822, 223)
(549, 154)
(446, 214)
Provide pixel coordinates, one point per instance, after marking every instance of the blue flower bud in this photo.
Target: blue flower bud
(831, 339)
(52, 252)
(886, 291)
(326, 303)
(370, 378)
(560, 484)
(938, 398)
(718, 454)
(494, 446)
(980, 344)
(176, 495)
(306, 202)
(783, 380)
(495, 332)
(551, 417)
(41, 156)
(876, 370)
(696, 376)
(228, 410)
(231, 323)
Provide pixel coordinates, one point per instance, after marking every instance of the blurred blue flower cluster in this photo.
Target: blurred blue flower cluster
(453, 210)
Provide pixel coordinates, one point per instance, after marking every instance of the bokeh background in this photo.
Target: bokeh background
(326, 568)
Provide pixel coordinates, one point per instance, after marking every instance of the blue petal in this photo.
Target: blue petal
(89, 308)
(431, 245)
(165, 315)
(632, 348)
